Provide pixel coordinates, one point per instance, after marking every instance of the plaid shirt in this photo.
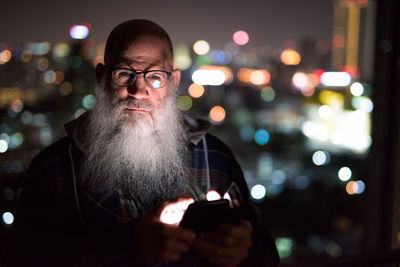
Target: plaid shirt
(59, 224)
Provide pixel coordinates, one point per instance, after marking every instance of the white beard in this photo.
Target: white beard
(140, 155)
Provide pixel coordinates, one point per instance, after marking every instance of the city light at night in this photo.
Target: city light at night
(241, 37)
(79, 31)
(295, 107)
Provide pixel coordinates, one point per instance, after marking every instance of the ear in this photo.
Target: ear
(100, 72)
(176, 78)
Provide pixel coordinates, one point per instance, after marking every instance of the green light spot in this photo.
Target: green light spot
(284, 246)
(267, 94)
(203, 60)
(184, 103)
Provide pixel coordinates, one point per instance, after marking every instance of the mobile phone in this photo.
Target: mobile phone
(208, 215)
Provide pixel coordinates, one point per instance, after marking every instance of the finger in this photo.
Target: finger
(177, 232)
(175, 246)
(225, 262)
(243, 230)
(219, 238)
(215, 249)
(169, 256)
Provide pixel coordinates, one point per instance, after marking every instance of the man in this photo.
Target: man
(95, 198)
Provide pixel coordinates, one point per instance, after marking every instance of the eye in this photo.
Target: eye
(155, 75)
(124, 73)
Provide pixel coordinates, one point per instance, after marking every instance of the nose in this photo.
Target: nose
(138, 89)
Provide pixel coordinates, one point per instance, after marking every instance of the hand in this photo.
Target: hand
(226, 247)
(157, 241)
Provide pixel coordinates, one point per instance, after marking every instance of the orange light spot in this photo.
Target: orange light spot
(217, 113)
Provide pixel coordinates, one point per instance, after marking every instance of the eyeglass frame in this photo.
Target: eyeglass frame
(136, 73)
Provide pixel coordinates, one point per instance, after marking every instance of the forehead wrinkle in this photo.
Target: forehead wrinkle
(143, 62)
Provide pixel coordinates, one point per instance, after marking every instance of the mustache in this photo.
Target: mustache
(135, 103)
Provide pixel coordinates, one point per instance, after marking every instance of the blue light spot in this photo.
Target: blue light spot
(262, 137)
(247, 133)
(302, 182)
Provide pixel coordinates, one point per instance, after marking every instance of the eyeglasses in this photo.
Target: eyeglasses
(126, 77)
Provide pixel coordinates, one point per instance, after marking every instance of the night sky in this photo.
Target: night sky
(268, 22)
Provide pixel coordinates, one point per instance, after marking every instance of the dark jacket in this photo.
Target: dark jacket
(59, 223)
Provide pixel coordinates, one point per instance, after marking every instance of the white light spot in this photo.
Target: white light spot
(321, 158)
(8, 218)
(79, 31)
(332, 78)
(344, 173)
(258, 191)
(213, 195)
(325, 112)
(356, 89)
(208, 77)
(300, 80)
(3, 146)
(173, 212)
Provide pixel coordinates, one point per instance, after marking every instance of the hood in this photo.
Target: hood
(76, 129)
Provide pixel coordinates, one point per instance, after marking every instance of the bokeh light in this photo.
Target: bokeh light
(203, 60)
(241, 37)
(260, 77)
(42, 63)
(339, 41)
(208, 77)
(16, 105)
(247, 133)
(61, 50)
(360, 187)
(184, 103)
(267, 94)
(5, 56)
(300, 80)
(320, 158)
(262, 137)
(79, 31)
(325, 112)
(59, 77)
(213, 195)
(301, 182)
(201, 47)
(290, 57)
(356, 89)
(3, 146)
(362, 103)
(49, 76)
(182, 58)
(284, 245)
(8, 217)
(217, 114)
(196, 90)
(344, 173)
(332, 78)
(350, 186)
(65, 88)
(26, 55)
(258, 192)
(88, 101)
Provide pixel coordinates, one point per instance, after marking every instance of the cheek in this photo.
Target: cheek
(157, 97)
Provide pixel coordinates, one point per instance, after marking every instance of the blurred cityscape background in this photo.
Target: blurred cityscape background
(299, 116)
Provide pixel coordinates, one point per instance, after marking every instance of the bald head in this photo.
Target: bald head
(132, 31)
